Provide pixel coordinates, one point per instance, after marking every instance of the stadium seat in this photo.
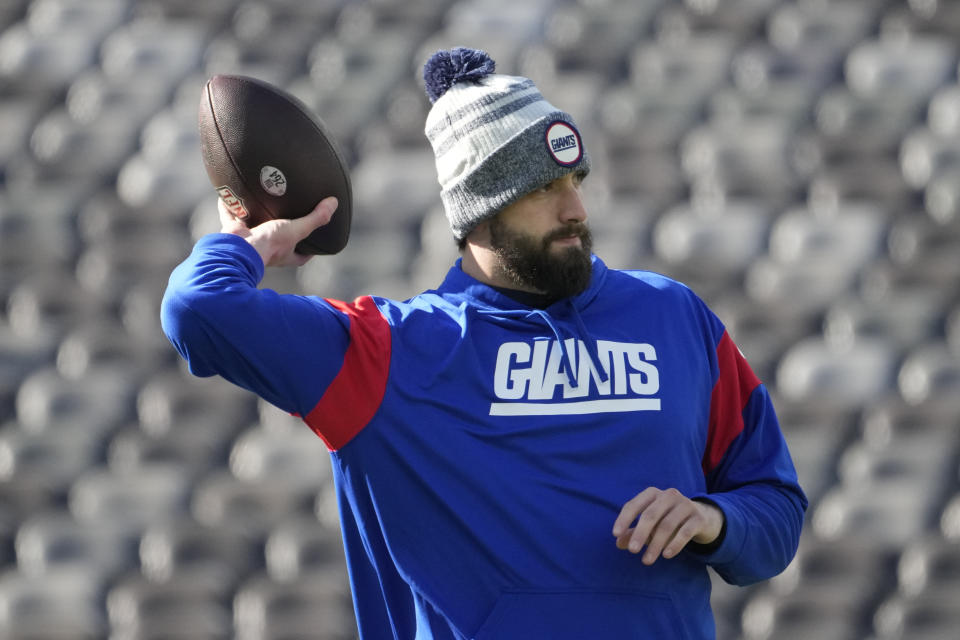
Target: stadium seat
(925, 251)
(139, 312)
(307, 608)
(178, 609)
(942, 197)
(12, 11)
(48, 303)
(838, 570)
(21, 356)
(254, 20)
(95, 148)
(720, 241)
(652, 176)
(638, 120)
(917, 65)
(170, 401)
(374, 253)
(578, 36)
(801, 615)
(849, 124)
(113, 266)
(132, 500)
(301, 546)
(33, 61)
(94, 96)
(924, 617)
(392, 190)
(787, 102)
(813, 370)
(689, 68)
(220, 500)
(742, 18)
(63, 605)
(888, 420)
(298, 458)
(749, 157)
(943, 112)
(51, 459)
(132, 448)
(826, 27)
(803, 290)
(180, 548)
(179, 181)
(847, 238)
(726, 601)
(496, 20)
(105, 345)
(162, 49)
(97, 403)
(18, 116)
(889, 519)
(929, 565)
(816, 436)
(925, 154)
(53, 541)
(923, 463)
(903, 320)
(760, 66)
(931, 374)
(928, 18)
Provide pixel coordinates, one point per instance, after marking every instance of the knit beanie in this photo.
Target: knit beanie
(494, 136)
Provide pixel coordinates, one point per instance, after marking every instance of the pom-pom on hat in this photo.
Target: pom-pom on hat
(494, 136)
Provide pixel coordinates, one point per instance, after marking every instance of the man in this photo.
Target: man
(540, 448)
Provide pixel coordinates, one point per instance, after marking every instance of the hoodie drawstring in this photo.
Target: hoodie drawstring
(584, 336)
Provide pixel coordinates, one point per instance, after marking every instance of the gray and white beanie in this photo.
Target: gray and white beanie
(494, 136)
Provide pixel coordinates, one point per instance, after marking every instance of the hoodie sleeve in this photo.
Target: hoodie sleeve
(750, 475)
(285, 348)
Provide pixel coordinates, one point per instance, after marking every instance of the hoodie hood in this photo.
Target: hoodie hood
(459, 287)
(562, 318)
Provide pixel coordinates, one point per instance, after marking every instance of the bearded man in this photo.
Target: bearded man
(542, 447)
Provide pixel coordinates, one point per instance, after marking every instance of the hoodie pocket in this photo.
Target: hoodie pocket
(576, 615)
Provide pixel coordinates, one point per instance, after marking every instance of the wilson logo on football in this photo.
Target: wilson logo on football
(234, 204)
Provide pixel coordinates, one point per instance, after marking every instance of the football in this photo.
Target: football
(269, 156)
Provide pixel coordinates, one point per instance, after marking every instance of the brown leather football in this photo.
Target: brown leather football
(269, 156)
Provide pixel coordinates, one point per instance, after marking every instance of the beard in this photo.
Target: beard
(528, 261)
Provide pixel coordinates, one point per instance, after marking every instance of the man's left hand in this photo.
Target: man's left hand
(664, 521)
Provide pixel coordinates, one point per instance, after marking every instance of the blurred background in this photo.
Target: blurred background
(796, 162)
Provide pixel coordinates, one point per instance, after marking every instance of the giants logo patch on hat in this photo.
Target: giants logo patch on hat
(563, 143)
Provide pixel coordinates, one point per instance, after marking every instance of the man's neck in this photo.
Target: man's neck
(480, 263)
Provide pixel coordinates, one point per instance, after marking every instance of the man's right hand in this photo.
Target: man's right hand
(275, 240)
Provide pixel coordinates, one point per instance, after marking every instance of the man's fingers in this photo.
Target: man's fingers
(680, 539)
(632, 509)
(661, 523)
(666, 531)
(648, 524)
(319, 216)
(228, 222)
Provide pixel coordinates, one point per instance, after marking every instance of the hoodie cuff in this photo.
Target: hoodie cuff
(728, 545)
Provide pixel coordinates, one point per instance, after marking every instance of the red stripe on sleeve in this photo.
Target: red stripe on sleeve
(356, 392)
(731, 392)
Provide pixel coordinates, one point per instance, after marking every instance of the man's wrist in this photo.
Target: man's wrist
(712, 545)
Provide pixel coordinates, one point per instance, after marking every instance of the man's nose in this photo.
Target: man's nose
(572, 208)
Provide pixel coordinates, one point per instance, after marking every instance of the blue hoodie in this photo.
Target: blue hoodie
(482, 449)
